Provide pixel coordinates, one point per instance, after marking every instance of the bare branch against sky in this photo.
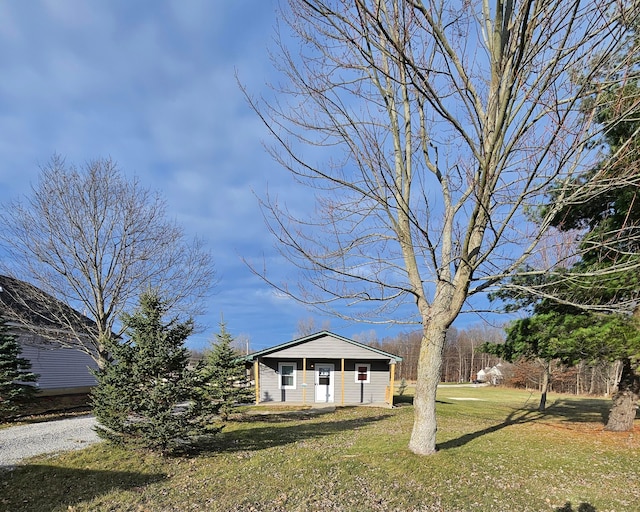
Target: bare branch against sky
(432, 133)
(96, 241)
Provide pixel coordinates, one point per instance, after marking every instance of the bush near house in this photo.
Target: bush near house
(147, 397)
(223, 378)
(15, 375)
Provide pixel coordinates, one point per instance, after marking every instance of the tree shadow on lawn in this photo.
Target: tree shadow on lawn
(589, 410)
(39, 487)
(562, 409)
(286, 429)
(516, 417)
(583, 507)
(281, 416)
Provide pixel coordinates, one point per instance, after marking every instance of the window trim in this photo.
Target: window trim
(356, 373)
(294, 364)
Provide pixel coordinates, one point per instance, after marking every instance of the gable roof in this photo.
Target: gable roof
(284, 348)
(24, 303)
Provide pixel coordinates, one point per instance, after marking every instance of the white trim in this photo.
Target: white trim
(356, 373)
(325, 393)
(294, 364)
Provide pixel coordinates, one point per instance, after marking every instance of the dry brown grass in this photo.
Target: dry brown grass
(496, 453)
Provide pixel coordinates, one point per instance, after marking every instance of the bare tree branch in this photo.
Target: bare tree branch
(94, 240)
(432, 133)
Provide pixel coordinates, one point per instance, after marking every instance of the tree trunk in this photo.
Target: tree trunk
(592, 383)
(544, 387)
(579, 372)
(625, 400)
(102, 356)
(473, 353)
(423, 435)
(615, 376)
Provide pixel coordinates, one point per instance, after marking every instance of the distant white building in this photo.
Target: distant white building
(493, 375)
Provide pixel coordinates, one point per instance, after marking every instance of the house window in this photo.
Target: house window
(287, 372)
(363, 373)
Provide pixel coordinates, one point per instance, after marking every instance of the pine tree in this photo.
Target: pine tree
(147, 397)
(225, 382)
(15, 374)
(609, 223)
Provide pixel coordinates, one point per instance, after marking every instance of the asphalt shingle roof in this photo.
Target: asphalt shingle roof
(25, 303)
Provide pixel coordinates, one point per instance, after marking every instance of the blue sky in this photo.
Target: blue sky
(152, 84)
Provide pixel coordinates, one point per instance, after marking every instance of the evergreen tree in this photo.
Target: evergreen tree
(15, 374)
(558, 331)
(569, 336)
(147, 396)
(225, 382)
(604, 216)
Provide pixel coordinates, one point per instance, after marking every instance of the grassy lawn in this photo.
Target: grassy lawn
(496, 453)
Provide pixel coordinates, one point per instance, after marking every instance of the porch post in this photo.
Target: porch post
(304, 380)
(342, 384)
(392, 383)
(256, 377)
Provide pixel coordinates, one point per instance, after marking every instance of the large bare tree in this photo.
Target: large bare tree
(96, 240)
(431, 132)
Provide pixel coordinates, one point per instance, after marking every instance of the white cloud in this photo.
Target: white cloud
(152, 83)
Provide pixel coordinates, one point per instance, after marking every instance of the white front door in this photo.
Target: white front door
(324, 382)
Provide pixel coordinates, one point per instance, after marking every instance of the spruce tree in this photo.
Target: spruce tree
(147, 396)
(225, 382)
(15, 374)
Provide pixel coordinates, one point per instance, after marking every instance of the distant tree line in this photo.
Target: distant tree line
(465, 355)
(600, 378)
(461, 360)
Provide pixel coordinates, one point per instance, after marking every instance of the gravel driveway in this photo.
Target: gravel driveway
(20, 442)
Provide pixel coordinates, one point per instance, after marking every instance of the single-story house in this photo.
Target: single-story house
(46, 343)
(323, 368)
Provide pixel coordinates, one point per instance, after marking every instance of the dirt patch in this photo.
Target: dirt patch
(46, 408)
